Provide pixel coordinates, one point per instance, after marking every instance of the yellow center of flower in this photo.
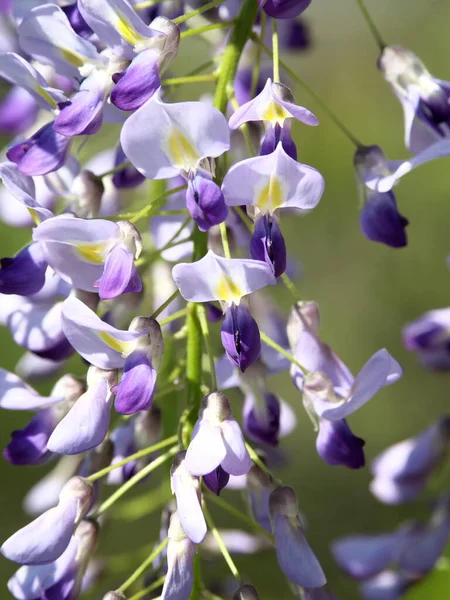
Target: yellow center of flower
(227, 290)
(125, 348)
(275, 113)
(72, 57)
(91, 252)
(271, 196)
(181, 150)
(45, 95)
(127, 31)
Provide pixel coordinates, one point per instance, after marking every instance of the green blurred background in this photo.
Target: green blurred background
(366, 291)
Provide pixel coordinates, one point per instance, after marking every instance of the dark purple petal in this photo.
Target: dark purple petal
(77, 22)
(25, 273)
(44, 152)
(83, 115)
(120, 275)
(138, 82)
(205, 202)
(267, 243)
(128, 177)
(240, 336)
(213, 313)
(137, 386)
(59, 351)
(380, 220)
(295, 35)
(263, 422)
(337, 445)
(18, 111)
(274, 135)
(28, 446)
(422, 546)
(284, 9)
(62, 590)
(364, 556)
(216, 480)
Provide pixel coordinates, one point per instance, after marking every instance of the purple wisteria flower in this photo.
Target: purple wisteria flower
(92, 253)
(424, 98)
(402, 471)
(180, 563)
(284, 9)
(429, 337)
(186, 488)
(47, 537)
(217, 440)
(295, 557)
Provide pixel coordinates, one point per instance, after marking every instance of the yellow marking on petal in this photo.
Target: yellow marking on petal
(275, 113)
(124, 348)
(34, 215)
(227, 290)
(72, 58)
(92, 252)
(45, 95)
(127, 31)
(271, 196)
(181, 151)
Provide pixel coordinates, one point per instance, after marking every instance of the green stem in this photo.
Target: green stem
(258, 462)
(189, 79)
(238, 38)
(116, 169)
(316, 98)
(205, 331)
(174, 317)
(128, 485)
(198, 11)
(291, 287)
(267, 340)
(147, 4)
(143, 567)
(205, 29)
(151, 208)
(224, 236)
(275, 52)
(239, 515)
(150, 588)
(371, 24)
(222, 547)
(145, 452)
(164, 305)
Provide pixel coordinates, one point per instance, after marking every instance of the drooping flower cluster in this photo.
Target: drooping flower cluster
(155, 238)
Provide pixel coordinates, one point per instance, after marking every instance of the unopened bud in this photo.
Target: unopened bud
(259, 479)
(114, 596)
(172, 39)
(79, 489)
(246, 592)
(87, 535)
(88, 190)
(131, 238)
(216, 407)
(370, 163)
(283, 501)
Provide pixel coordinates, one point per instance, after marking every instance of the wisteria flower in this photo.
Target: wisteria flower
(217, 440)
(428, 336)
(180, 563)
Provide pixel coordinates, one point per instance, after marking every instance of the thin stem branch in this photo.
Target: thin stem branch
(224, 236)
(151, 208)
(239, 515)
(205, 29)
(205, 331)
(189, 79)
(143, 567)
(116, 169)
(275, 51)
(270, 342)
(371, 24)
(164, 305)
(135, 479)
(174, 317)
(331, 115)
(150, 588)
(141, 453)
(198, 11)
(221, 544)
(291, 287)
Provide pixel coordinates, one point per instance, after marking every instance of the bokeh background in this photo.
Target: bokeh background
(366, 292)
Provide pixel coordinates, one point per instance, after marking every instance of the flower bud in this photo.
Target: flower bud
(131, 238)
(217, 480)
(246, 592)
(267, 243)
(283, 501)
(284, 9)
(87, 190)
(205, 202)
(82, 490)
(240, 336)
(216, 407)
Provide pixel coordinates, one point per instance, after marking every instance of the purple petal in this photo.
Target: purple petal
(217, 480)
(18, 112)
(295, 557)
(45, 538)
(205, 202)
(120, 275)
(29, 445)
(25, 273)
(267, 244)
(180, 570)
(138, 82)
(86, 424)
(422, 546)
(337, 445)
(388, 585)
(284, 9)
(15, 394)
(237, 460)
(262, 419)
(128, 177)
(240, 336)
(380, 220)
(363, 556)
(137, 386)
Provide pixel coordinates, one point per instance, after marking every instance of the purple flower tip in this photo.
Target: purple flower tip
(240, 336)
